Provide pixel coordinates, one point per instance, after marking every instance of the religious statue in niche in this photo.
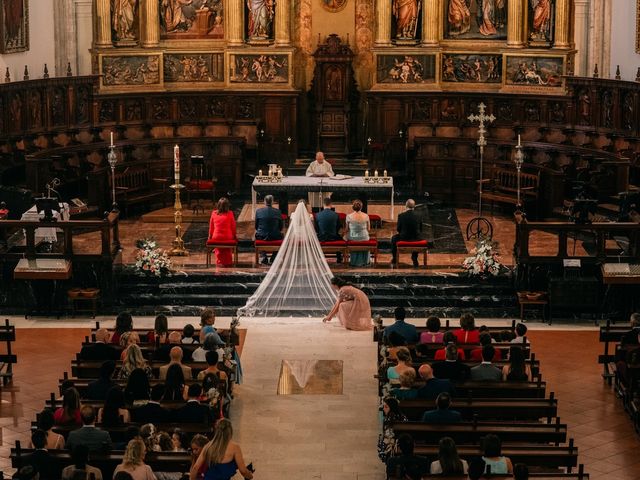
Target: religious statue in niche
(334, 6)
(539, 71)
(124, 15)
(192, 67)
(192, 18)
(584, 107)
(131, 70)
(472, 68)
(541, 22)
(406, 70)
(476, 19)
(334, 83)
(14, 26)
(260, 69)
(260, 14)
(407, 14)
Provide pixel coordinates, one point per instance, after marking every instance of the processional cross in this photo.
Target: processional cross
(480, 227)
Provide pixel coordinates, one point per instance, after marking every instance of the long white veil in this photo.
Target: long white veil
(298, 282)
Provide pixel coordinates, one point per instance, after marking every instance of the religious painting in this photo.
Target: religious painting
(406, 20)
(534, 71)
(472, 68)
(14, 26)
(405, 69)
(130, 70)
(192, 19)
(124, 21)
(193, 67)
(260, 69)
(259, 20)
(333, 6)
(475, 19)
(541, 22)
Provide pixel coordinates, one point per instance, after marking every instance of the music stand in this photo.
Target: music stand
(197, 161)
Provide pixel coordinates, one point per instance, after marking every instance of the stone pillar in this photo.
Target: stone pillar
(149, 24)
(283, 23)
(430, 23)
(103, 24)
(65, 38)
(581, 37)
(515, 32)
(383, 23)
(234, 27)
(563, 24)
(81, 61)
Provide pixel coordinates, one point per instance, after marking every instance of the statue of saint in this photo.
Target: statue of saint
(261, 13)
(406, 13)
(459, 17)
(541, 24)
(173, 15)
(124, 15)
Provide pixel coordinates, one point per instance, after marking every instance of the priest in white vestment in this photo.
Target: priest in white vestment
(319, 168)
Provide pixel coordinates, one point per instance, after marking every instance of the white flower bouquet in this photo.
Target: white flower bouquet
(150, 259)
(484, 260)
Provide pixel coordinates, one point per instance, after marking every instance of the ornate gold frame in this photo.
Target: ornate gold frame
(25, 31)
(334, 9)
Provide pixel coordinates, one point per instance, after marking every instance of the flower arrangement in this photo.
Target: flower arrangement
(484, 261)
(150, 259)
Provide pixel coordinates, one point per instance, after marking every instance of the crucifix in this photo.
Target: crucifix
(479, 226)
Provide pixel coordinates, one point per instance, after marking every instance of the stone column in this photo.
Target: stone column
(283, 23)
(430, 23)
(103, 24)
(64, 36)
(515, 32)
(383, 23)
(149, 24)
(234, 27)
(563, 24)
(581, 37)
(81, 61)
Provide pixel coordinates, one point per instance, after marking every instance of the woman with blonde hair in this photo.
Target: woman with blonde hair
(404, 363)
(133, 462)
(221, 457)
(132, 360)
(126, 340)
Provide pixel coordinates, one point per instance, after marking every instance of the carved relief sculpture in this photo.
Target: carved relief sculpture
(406, 69)
(584, 107)
(607, 109)
(130, 70)
(538, 71)
(540, 21)
(14, 26)
(260, 19)
(364, 42)
(406, 13)
(192, 18)
(334, 6)
(124, 15)
(260, 69)
(35, 109)
(193, 67)
(472, 68)
(490, 19)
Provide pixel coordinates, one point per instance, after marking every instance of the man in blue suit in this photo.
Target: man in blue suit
(442, 414)
(328, 225)
(268, 225)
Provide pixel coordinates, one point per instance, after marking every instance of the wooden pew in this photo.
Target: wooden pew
(427, 351)
(378, 331)
(610, 334)
(473, 389)
(119, 433)
(8, 359)
(91, 369)
(81, 384)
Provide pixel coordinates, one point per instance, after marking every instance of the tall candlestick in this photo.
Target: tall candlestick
(112, 139)
(176, 163)
(519, 140)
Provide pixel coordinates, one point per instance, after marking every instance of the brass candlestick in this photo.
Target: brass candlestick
(178, 249)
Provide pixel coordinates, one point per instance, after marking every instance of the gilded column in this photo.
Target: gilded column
(103, 24)
(430, 22)
(234, 22)
(283, 23)
(150, 24)
(515, 33)
(383, 23)
(563, 24)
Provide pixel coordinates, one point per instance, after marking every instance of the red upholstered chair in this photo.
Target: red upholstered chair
(419, 246)
(370, 246)
(375, 220)
(285, 219)
(200, 179)
(213, 244)
(334, 246)
(266, 246)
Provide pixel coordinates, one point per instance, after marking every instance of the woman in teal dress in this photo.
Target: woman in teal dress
(358, 230)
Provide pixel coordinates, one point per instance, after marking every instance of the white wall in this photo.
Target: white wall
(623, 39)
(41, 45)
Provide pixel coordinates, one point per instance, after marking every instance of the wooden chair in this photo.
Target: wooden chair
(229, 244)
(369, 246)
(265, 246)
(420, 247)
(200, 180)
(334, 247)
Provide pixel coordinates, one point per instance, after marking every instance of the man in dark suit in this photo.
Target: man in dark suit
(442, 414)
(41, 460)
(407, 465)
(409, 230)
(433, 386)
(194, 411)
(451, 368)
(100, 350)
(94, 438)
(152, 412)
(328, 225)
(268, 225)
(97, 390)
(407, 330)
(486, 371)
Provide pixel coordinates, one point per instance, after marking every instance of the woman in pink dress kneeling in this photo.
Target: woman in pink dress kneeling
(222, 227)
(352, 307)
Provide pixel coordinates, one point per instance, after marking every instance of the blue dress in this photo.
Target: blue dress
(358, 231)
(221, 471)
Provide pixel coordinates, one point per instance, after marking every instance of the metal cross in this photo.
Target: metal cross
(481, 118)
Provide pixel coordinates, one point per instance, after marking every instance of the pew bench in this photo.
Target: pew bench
(334, 247)
(610, 334)
(134, 185)
(8, 359)
(378, 332)
(369, 246)
(502, 187)
(265, 246)
(229, 245)
(421, 247)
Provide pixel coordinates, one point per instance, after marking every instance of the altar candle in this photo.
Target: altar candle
(519, 140)
(375, 173)
(176, 163)
(112, 139)
(366, 174)
(384, 174)
(259, 173)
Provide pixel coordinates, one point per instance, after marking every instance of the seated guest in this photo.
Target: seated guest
(207, 322)
(433, 386)
(448, 339)
(520, 472)
(517, 369)
(124, 323)
(179, 440)
(451, 368)
(136, 393)
(448, 463)
(391, 410)
(133, 462)
(90, 435)
(133, 361)
(165, 444)
(198, 442)
(506, 336)
(476, 468)
(97, 390)
(211, 344)
(161, 354)
(69, 413)
(433, 333)
(409, 230)
(268, 225)
(54, 441)
(631, 337)
(194, 411)
(407, 465)
(467, 333)
(160, 330)
(99, 350)
(149, 437)
(476, 353)
(442, 413)
(176, 359)
(327, 223)
(358, 227)
(521, 331)
(26, 473)
(222, 228)
(80, 458)
(212, 361)
(41, 460)
(406, 390)
(152, 411)
(408, 331)
(114, 412)
(404, 364)
(492, 456)
(126, 340)
(394, 342)
(175, 384)
(187, 335)
(486, 371)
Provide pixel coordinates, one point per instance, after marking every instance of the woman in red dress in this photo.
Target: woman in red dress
(222, 227)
